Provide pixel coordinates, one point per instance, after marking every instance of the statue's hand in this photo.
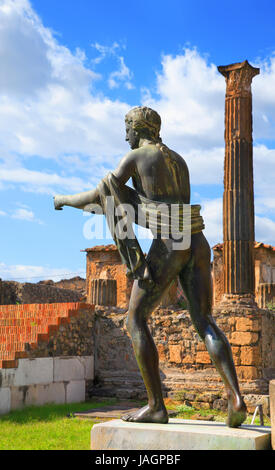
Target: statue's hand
(58, 203)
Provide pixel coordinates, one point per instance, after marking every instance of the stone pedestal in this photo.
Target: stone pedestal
(272, 411)
(179, 434)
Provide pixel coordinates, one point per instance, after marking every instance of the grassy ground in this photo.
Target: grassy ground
(188, 412)
(47, 428)
(53, 427)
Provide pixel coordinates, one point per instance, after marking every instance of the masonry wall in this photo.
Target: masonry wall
(89, 352)
(47, 352)
(185, 366)
(12, 293)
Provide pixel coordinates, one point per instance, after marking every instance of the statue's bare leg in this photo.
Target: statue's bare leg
(165, 265)
(196, 282)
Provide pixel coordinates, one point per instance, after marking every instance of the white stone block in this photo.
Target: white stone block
(75, 391)
(7, 377)
(68, 368)
(18, 395)
(178, 434)
(88, 362)
(5, 400)
(47, 393)
(34, 371)
(37, 395)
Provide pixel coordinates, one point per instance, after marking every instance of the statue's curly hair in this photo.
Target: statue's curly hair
(145, 121)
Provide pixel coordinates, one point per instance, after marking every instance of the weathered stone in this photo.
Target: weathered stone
(177, 435)
(243, 338)
(272, 411)
(238, 199)
(250, 355)
(103, 292)
(175, 353)
(5, 400)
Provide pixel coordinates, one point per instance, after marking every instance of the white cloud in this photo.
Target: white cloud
(23, 212)
(190, 101)
(29, 273)
(41, 182)
(104, 51)
(122, 75)
(212, 215)
(49, 109)
(265, 230)
(52, 111)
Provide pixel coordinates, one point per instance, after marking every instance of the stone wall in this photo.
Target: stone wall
(57, 362)
(12, 293)
(75, 284)
(185, 366)
(186, 370)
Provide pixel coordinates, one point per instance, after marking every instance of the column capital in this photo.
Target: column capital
(238, 77)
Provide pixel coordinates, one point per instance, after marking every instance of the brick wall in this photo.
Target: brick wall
(45, 330)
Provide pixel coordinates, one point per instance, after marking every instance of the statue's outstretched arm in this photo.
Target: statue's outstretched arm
(79, 200)
(123, 172)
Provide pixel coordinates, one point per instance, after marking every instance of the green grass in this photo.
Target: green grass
(47, 427)
(53, 427)
(188, 412)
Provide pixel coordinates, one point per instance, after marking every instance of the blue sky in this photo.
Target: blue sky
(69, 73)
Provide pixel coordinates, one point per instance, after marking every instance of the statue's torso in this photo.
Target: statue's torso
(161, 174)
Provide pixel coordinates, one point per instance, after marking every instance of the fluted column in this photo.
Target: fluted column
(238, 197)
(102, 292)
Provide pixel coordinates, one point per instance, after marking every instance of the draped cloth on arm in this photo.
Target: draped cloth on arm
(123, 206)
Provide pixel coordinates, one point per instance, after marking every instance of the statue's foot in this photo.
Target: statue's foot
(236, 411)
(147, 415)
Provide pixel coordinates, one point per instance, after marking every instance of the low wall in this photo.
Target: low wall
(12, 293)
(45, 380)
(55, 359)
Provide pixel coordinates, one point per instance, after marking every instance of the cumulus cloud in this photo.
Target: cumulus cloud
(122, 75)
(22, 212)
(29, 273)
(190, 99)
(49, 109)
(212, 215)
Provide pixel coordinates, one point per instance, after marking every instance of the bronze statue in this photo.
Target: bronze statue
(160, 175)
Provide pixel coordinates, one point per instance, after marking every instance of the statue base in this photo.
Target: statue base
(238, 300)
(178, 434)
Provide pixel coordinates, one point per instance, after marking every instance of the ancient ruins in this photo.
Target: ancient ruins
(71, 329)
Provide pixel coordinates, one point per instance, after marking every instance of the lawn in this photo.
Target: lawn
(53, 427)
(49, 427)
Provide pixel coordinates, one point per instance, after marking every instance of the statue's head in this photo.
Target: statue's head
(142, 123)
